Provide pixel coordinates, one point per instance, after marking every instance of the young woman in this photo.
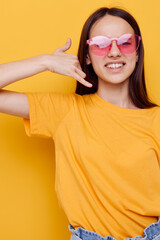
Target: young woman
(107, 134)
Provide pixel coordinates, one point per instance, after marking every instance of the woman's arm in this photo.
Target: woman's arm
(60, 62)
(14, 103)
(14, 71)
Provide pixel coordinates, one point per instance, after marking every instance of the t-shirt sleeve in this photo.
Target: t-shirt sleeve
(46, 111)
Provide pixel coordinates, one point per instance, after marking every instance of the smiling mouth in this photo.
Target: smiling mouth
(115, 65)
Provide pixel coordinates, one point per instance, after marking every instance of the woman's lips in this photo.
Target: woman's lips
(117, 69)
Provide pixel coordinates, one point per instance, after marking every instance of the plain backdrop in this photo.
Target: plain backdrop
(29, 207)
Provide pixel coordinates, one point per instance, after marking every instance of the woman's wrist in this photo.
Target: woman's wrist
(45, 60)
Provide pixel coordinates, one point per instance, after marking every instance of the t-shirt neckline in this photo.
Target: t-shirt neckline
(121, 110)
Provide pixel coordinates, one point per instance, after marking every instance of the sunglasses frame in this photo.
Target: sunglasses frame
(98, 39)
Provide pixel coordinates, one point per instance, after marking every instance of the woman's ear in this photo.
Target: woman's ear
(88, 60)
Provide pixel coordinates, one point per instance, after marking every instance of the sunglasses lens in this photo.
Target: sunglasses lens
(99, 51)
(130, 45)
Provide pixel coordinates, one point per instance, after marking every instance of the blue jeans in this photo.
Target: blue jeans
(152, 232)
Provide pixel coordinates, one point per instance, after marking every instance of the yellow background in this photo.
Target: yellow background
(29, 208)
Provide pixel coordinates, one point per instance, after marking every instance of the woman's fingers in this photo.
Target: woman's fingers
(83, 75)
(80, 72)
(81, 80)
(79, 76)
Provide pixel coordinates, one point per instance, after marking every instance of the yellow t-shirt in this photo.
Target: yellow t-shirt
(107, 160)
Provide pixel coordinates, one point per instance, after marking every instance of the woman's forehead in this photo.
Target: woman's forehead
(110, 26)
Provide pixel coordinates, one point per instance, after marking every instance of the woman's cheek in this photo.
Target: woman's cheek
(97, 64)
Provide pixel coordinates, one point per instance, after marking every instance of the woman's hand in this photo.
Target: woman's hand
(66, 64)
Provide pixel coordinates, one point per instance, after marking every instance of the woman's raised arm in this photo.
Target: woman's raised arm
(15, 103)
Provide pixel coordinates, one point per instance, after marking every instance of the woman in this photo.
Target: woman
(107, 135)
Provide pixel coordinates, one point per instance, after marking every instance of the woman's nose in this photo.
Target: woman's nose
(114, 51)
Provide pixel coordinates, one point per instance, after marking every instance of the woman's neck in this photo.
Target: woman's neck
(116, 94)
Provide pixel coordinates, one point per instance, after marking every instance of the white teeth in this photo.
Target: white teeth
(114, 65)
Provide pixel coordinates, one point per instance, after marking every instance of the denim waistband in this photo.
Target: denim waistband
(152, 232)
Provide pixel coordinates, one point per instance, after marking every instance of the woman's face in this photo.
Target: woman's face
(111, 26)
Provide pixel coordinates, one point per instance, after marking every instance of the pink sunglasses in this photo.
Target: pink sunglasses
(101, 45)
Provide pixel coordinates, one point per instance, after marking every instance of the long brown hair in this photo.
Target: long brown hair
(137, 88)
